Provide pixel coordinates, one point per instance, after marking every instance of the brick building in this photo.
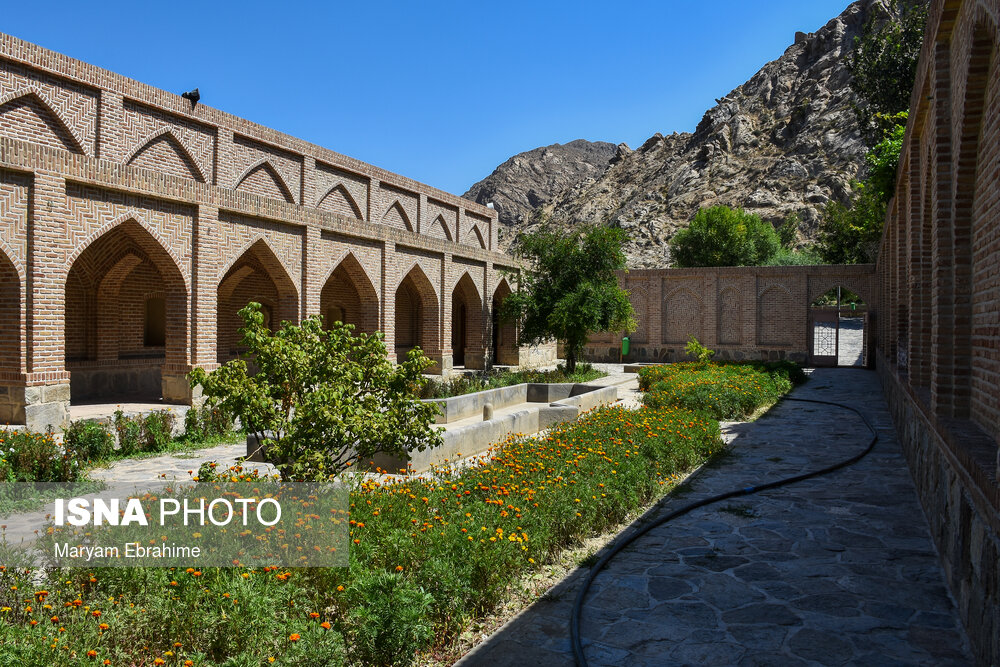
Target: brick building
(134, 225)
(939, 290)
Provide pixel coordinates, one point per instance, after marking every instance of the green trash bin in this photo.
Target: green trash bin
(626, 344)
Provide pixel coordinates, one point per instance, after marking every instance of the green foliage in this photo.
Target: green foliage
(804, 257)
(387, 619)
(572, 290)
(26, 456)
(883, 67)
(143, 435)
(695, 349)
(788, 230)
(89, 440)
(883, 159)
(206, 423)
(322, 398)
(721, 236)
(851, 235)
(469, 383)
(721, 390)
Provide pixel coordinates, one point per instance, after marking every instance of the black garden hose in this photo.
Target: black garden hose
(574, 622)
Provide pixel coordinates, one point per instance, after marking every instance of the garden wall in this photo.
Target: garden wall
(753, 312)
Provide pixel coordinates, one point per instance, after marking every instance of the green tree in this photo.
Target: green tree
(789, 229)
(322, 399)
(571, 290)
(851, 234)
(883, 159)
(721, 236)
(883, 66)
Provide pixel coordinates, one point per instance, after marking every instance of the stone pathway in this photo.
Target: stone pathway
(831, 571)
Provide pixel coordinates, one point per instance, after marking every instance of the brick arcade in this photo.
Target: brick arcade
(134, 225)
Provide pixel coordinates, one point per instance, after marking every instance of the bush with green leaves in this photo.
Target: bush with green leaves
(722, 236)
(89, 440)
(207, 422)
(322, 398)
(26, 456)
(388, 618)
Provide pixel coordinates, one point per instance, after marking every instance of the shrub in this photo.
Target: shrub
(89, 440)
(36, 457)
(323, 398)
(387, 619)
(695, 349)
(469, 383)
(149, 434)
(206, 423)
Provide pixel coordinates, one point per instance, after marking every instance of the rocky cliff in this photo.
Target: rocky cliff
(786, 141)
(531, 179)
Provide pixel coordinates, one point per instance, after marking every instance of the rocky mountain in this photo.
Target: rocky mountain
(531, 179)
(786, 141)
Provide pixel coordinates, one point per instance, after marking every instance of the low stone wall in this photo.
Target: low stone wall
(963, 522)
(557, 403)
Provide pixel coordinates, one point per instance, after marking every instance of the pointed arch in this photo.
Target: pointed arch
(170, 141)
(11, 321)
(479, 237)
(730, 316)
(504, 341)
(132, 217)
(255, 275)
(682, 316)
(263, 178)
(339, 200)
(112, 276)
(443, 224)
(395, 216)
(349, 296)
(43, 107)
(467, 330)
(773, 330)
(417, 321)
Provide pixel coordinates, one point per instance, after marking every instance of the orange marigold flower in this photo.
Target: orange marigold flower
(325, 625)
(399, 568)
(294, 637)
(313, 614)
(104, 626)
(91, 654)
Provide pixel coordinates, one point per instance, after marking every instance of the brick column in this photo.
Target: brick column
(47, 383)
(387, 294)
(942, 243)
(312, 281)
(920, 263)
(444, 354)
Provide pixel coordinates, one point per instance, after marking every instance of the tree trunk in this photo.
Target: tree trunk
(570, 360)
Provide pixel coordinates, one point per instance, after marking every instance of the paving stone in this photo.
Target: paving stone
(839, 569)
(824, 647)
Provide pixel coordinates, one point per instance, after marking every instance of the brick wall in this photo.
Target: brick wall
(121, 204)
(741, 312)
(939, 282)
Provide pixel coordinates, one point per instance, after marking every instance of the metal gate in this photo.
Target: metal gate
(837, 339)
(824, 338)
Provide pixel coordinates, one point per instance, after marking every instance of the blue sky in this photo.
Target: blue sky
(441, 92)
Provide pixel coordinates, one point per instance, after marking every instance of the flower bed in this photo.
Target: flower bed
(468, 384)
(429, 554)
(726, 391)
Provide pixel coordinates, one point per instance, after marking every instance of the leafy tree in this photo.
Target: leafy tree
(883, 66)
(721, 236)
(322, 399)
(851, 235)
(883, 159)
(572, 290)
(789, 229)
